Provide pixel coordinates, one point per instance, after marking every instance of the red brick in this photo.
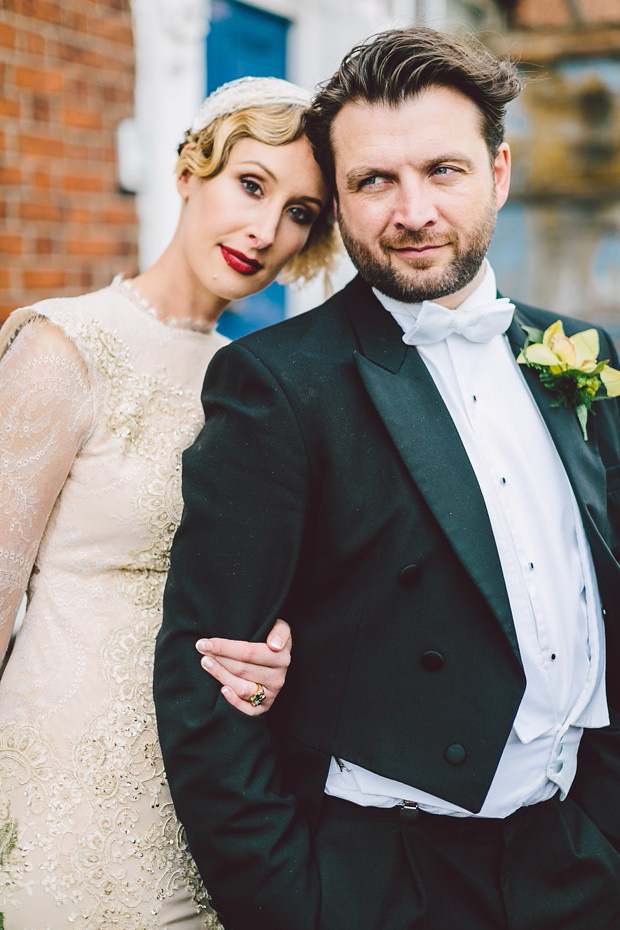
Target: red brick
(43, 246)
(31, 42)
(107, 153)
(76, 182)
(81, 119)
(36, 210)
(91, 247)
(11, 245)
(42, 180)
(5, 310)
(4, 277)
(126, 248)
(76, 53)
(10, 175)
(79, 153)
(41, 109)
(8, 35)
(44, 280)
(76, 101)
(47, 146)
(10, 108)
(76, 21)
(35, 9)
(116, 30)
(38, 79)
(112, 94)
(120, 215)
(79, 215)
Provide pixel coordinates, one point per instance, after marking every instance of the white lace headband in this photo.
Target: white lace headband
(249, 92)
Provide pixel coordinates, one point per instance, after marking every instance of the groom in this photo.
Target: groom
(443, 541)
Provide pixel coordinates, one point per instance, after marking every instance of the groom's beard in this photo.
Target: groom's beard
(422, 281)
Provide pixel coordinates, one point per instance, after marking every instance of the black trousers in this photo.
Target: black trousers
(546, 867)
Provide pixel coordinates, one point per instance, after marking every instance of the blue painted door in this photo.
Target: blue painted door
(244, 40)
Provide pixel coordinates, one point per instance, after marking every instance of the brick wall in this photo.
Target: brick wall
(66, 80)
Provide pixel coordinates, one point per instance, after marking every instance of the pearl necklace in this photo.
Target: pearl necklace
(186, 323)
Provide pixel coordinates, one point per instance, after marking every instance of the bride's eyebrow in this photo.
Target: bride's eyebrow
(258, 164)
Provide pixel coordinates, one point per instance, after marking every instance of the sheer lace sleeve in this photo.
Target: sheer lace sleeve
(46, 409)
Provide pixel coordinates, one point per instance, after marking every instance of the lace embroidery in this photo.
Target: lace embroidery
(159, 506)
(141, 409)
(44, 408)
(23, 762)
(96, 831)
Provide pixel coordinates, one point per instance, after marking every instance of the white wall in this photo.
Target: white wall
(170, 80)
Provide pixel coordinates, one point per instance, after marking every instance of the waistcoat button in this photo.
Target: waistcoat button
(409, 574)
(432, 661)
(456, 754)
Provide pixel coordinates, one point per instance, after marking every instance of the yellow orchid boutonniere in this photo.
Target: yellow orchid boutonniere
(569, 366)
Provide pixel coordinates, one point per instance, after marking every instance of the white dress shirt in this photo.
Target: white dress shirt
(547, 568)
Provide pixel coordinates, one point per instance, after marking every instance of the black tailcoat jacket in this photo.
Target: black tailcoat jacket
(329, 486)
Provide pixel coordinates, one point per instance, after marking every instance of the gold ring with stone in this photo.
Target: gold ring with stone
(258, 695)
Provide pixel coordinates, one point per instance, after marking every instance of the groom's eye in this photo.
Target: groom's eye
(373, 180)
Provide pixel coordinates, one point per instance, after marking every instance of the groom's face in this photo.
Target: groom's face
(418, 193)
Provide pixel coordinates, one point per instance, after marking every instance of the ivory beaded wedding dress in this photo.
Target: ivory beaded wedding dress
(98, 398)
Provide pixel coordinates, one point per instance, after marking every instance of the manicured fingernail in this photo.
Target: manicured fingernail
(226, 692)
(204, 644)
(276, 643)
(206, 662)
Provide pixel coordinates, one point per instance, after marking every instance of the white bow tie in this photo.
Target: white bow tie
(480, 324)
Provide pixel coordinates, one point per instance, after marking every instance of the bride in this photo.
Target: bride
(99, 395)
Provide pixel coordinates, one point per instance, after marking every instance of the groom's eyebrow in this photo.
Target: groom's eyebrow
(352, 178)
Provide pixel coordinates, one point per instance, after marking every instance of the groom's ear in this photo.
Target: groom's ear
(501, 172)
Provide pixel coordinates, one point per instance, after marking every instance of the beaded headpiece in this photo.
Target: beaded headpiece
(249, 92)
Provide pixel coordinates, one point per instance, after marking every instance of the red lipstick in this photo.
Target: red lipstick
(238, 261)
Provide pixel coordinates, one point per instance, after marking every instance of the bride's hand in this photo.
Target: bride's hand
(247, 669)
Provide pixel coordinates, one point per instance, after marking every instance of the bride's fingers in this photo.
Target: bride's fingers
(241, 688)
(280, 636)
(227, 670)
(256, 654)
(244, 706)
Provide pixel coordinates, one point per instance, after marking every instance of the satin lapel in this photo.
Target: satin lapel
(581, 460)
(405, 397)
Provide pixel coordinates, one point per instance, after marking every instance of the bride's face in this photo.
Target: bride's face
(239, 229)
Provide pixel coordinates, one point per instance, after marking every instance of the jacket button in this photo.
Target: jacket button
(456, 754)
(409, 574)
(432, 661)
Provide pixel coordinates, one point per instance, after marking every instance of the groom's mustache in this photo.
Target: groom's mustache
(411, 239)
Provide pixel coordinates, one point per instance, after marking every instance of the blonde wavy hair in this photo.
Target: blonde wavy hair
(206, 152)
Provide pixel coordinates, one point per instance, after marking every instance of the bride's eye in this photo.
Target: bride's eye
(301, 216)
(251, 186)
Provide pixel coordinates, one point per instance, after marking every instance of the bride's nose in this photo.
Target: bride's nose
(264, 228)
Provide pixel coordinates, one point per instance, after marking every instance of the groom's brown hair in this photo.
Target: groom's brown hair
(390, 67)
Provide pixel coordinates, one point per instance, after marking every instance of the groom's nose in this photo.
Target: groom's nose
(414, 204)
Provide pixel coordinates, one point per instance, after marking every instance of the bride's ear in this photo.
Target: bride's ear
(183, 181)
